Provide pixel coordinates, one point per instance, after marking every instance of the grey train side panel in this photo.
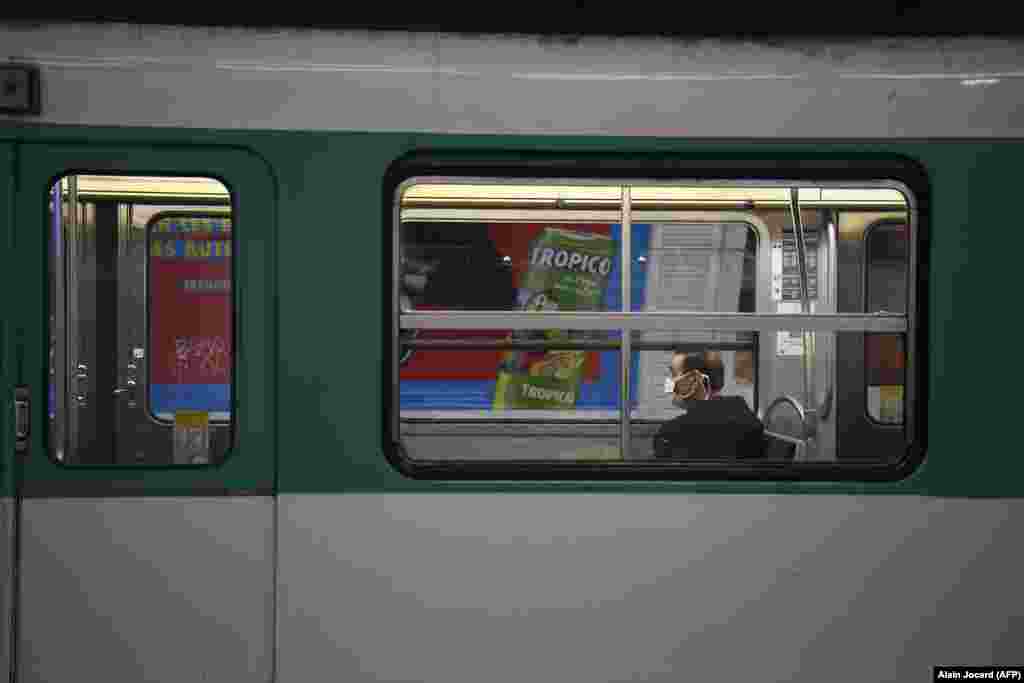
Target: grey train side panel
(468, 588)
(6, 581)
(8, 372)
(147, 590)
(302, 80)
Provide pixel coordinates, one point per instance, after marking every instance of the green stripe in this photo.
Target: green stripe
(330, 303)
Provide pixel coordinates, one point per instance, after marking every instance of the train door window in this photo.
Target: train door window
(885, 290)
(141, 320)
(583, 327)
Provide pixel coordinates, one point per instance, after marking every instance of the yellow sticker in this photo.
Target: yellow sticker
(192, 418)
(191, 437)
(890, 399)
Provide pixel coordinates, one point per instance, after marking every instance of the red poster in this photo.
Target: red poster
(190, 345)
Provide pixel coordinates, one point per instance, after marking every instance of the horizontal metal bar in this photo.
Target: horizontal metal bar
(787, 439)
(436, 208)
(155, 198)
(206, 236)
(509, 215)
(606, 426)
(511, 345)
(651, 321)
(581, 345)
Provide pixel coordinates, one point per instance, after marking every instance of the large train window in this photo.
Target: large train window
(523, 343)
(141, 313)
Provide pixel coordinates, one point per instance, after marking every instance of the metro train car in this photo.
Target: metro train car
(427, 357)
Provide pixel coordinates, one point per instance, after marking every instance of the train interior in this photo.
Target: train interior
(834, 397)
(140, 320)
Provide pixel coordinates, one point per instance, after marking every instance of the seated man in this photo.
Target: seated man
(723, 428)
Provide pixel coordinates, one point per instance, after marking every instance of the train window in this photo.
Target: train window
(141, 320)
(522, 340)
(885, 290)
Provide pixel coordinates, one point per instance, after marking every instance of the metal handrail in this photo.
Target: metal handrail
(571, 345)
(652, 321)
(808, 428)
(798, 407)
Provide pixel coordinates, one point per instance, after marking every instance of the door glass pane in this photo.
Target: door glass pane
(141, 320)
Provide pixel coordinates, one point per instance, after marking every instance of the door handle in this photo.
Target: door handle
(22, 419)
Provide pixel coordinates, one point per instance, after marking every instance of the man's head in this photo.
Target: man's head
(689, 383)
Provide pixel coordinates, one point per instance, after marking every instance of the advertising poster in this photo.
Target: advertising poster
(567, 270)
(190, 315)
(442, 380)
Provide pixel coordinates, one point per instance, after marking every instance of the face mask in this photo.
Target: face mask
(670, 384)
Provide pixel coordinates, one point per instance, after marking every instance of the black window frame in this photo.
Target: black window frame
(504, 166)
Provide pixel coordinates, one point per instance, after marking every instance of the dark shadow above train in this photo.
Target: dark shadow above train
(571, 19)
